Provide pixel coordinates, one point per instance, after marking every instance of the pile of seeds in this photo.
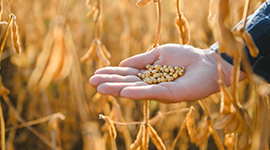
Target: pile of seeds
(157, 73)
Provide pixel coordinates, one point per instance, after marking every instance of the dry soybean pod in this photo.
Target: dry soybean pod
(242, 140)
(138, 139)
(223, 122)
(205, 133)
(1, 9)
(142, 3)
(103, 59)
(250, 44)
(191, 127)
(156, 139)
(5, 37)
(89, 53)
(88, 3)
(186, 30)
(112, 129)
(15, 35)
(93, 9)
(232, 126)
(105, 51)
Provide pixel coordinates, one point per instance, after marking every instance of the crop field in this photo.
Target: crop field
(50, 49)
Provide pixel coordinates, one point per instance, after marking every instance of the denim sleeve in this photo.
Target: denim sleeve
(258, 25)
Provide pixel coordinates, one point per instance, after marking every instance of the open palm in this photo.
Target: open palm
(199, 80)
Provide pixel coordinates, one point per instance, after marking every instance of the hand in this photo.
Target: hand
(199, 80)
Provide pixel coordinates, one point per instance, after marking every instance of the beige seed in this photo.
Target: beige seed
(154, 71)
(172, 70)
(170, 67)
(165, 74)
(158, 67)
(175, 75)
(163, 79)
(158, 80)
(166, 70)
(143, 76)
(139, 75)
(148, 66)
(177, 71)
(171, 74)
(176, 68)
(181, 73)
(147, 73)
(169, 79)
(149, 81)
(154, 80)
(161, 69)
(182, 68)
(156, 75)
(165, 66)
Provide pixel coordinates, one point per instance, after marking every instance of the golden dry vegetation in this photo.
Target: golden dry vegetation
(47, 102)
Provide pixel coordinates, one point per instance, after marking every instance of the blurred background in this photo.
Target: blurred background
(125, 30)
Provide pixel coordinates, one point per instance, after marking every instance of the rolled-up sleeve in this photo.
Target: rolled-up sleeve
(258, 25)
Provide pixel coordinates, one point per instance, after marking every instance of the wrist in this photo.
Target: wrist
(227, 68)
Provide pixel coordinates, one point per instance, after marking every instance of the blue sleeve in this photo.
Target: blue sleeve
(258, 25)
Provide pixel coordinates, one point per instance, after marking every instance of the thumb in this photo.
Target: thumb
(141, 60)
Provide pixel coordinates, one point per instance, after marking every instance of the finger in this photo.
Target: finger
(101, 78)
(148, 92)
(118, 70)
(114, 89)
(141, 60)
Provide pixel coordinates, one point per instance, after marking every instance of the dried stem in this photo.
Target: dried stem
(217, 139)
(21, 120)
(204, 107)
(49, 112)
(1, 9)
(2, 128)
(235, 80)
(179, 133)
(146, 117)
(245, 14)
(8, 7)
(178, 6)
(159, 23)
(37, 121)
(96, 21)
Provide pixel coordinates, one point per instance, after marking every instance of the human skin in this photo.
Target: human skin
(199, 81)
